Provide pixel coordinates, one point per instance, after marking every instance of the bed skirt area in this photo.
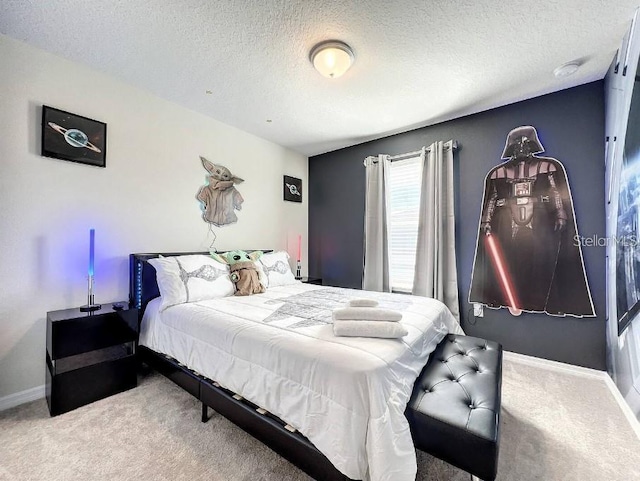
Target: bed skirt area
(262, 425)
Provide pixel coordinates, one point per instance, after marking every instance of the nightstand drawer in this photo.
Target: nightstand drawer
(111, 353)
(87, 332)
(69, 390)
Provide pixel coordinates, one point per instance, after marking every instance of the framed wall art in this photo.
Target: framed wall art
(627, 239)
(292, 189)
(72, 137)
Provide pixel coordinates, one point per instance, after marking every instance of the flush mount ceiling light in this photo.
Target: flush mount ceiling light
(567, 69)
(332, 58)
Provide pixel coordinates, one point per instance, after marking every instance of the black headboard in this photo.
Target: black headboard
(143, 286)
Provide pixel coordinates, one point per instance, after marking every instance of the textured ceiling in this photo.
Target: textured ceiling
(417, 62)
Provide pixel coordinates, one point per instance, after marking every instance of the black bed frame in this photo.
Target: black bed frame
(262, 425)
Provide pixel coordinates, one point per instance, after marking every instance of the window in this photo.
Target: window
(403, 208)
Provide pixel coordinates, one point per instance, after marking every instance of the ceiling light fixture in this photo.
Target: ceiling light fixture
(567, 69)
(332, 58)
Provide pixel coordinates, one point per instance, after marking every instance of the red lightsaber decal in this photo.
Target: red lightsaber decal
(503, 272)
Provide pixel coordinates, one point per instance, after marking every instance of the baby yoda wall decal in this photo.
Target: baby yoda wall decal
(219, 197)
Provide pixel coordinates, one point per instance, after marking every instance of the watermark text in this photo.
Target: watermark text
(598, 241)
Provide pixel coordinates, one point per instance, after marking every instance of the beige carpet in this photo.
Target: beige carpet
(555, 426)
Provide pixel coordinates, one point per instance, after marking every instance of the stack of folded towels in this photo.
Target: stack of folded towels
(363, 318)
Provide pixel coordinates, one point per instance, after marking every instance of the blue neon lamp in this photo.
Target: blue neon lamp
(91, 305)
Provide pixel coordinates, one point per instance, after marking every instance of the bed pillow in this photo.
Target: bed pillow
(262, 275)
(191, 278)
(277, 270)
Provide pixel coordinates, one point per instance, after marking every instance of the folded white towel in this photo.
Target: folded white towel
(366, 314)
(363, 302)
(381, 329)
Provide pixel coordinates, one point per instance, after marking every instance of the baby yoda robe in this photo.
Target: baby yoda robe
(221, 198)
(248, 280)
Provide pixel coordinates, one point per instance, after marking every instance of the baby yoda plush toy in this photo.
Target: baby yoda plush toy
(244, 273)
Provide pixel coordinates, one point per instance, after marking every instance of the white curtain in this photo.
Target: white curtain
(435, 271)
(376, 239)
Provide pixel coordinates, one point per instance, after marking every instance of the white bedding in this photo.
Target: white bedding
(278, 350)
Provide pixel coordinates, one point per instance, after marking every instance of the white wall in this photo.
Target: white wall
(144, 201)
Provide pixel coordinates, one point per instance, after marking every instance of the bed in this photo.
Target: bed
(333, 406)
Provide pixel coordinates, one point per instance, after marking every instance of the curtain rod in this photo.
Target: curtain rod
(449, 144)
(408, 154)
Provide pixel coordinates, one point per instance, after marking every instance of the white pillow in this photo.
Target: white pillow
(262, 275)
(191, 278)
(277, 269)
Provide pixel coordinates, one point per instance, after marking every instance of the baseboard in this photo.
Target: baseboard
(584, 372)
(554, 365)
(13, 400)
(628, 413)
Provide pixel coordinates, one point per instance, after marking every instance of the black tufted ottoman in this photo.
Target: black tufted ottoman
(454, 411)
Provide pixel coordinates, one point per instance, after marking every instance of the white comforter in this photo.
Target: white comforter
(277, 349)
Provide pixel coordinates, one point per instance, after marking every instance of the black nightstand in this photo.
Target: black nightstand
(90, 355)
(311, 280)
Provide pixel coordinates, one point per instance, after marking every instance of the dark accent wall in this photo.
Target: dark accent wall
(570, 124)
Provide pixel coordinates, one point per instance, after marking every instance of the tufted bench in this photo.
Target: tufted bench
(454, 410)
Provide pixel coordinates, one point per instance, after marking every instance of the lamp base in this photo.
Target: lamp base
(90, 307)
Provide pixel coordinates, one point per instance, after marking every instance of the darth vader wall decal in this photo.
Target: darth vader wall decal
(527, 255)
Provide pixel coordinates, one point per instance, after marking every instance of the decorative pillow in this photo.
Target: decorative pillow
(262, 275)
(277, 270)
(191, 278)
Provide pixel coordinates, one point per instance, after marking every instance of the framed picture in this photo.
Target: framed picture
(627, 238)
(292, 189)
(72, 137)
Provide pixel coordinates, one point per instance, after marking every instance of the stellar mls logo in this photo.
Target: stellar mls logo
(597, 241)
